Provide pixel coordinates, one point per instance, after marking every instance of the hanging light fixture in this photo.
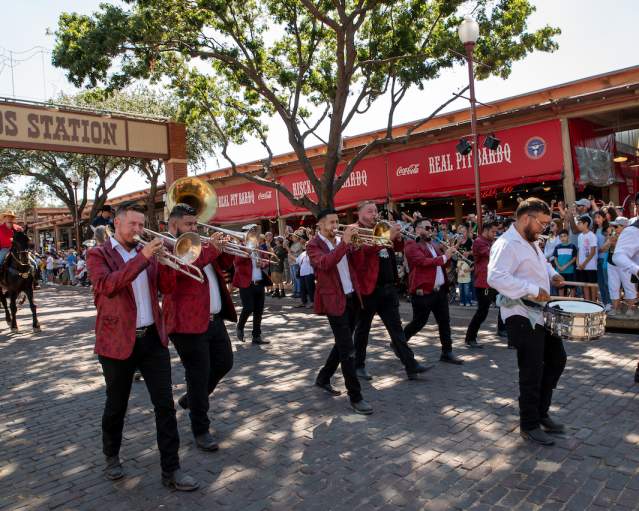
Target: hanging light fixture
(492, 142)
(620, 158)
(464, 147)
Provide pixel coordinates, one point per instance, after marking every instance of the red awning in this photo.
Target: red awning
(244, 202)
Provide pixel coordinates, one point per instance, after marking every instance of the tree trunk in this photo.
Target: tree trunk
(150, 202)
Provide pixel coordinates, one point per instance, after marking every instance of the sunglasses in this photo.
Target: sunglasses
(427, 227)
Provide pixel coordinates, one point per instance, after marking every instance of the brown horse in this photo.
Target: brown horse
(17, 276)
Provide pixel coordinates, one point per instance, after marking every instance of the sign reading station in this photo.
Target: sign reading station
(52, 129)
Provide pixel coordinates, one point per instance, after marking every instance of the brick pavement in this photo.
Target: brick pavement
(450, 442)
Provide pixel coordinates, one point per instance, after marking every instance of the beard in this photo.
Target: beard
(530, 235)
(426, 237)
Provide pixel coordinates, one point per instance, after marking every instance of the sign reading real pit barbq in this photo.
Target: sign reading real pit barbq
(526, 154)
(53, 129)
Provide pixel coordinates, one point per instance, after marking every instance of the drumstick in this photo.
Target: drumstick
(572, 298)
(579, 284)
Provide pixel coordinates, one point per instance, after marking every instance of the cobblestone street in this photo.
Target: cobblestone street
(450, 442)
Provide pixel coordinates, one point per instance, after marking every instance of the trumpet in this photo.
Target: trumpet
(377, 236)
(186, 249)
(459, 255)
(410, 235)
(238, 249)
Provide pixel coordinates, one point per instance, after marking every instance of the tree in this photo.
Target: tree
(314, 63)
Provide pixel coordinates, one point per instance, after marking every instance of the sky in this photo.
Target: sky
(597, 37)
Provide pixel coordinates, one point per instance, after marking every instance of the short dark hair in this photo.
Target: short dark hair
(585, 219)
(326, 212)
(181, 210)
(420, 220)
(532, 205)
(127, 206)
(487, 226)
(564, 231)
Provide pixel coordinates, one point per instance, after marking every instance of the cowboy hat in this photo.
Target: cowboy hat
(8, 213)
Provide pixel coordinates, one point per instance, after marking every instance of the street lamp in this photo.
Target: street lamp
(76, 221)
(468, 33)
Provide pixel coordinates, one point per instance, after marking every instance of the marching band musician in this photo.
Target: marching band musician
(519, 271)
(376, 269)
(130, 334)
(251, 279)
(428, 287)
(194, 315)
(337, 296)
(626, 256)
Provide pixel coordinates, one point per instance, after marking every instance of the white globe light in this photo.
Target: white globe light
(468, 30)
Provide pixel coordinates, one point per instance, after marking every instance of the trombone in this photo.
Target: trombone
(238, 249)
(186, 249)
(377, 236)
(456, 252)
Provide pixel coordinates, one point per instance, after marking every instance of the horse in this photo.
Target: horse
(17, 276)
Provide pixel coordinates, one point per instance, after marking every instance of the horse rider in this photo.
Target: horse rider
(8, 227)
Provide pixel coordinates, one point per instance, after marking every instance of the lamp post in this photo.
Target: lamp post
(468, 33)
(76, 221)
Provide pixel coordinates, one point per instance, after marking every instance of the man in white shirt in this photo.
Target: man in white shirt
(626, 257)
(337, 296)
(587, 257)
(194, 315)
(519, 271)
(130, 335)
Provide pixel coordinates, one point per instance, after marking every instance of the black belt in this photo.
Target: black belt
(256, 282)
(350, 295)
(213, 317)
(143, 330)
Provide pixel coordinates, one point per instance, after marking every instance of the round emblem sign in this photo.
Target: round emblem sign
(535, 148)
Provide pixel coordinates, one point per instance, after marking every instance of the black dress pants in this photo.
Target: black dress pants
(485, 296)
(437, 301)
(153, 361)
(207, 358)
(252, 303)
(385, 302)
(343, 351)
(541, 358)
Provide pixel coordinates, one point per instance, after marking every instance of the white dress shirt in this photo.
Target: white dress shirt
(342, 267)
(305, 264)
(439, 273)
(257, 271)
(516, 269)
(141, 290)
(215, 299)
(626, 254)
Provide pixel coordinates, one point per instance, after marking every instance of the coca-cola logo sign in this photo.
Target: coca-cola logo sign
(413, 168)
(265, 195)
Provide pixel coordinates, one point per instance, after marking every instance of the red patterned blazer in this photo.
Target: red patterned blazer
(187, 308)
(113, 296)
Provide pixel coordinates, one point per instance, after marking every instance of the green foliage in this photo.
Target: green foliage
(314, 63)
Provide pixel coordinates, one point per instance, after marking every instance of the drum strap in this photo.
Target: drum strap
(534, 311)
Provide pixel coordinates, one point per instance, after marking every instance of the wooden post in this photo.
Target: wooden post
(568, 180)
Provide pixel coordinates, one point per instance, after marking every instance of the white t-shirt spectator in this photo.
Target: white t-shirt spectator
(80, 267)
(586, 242)
(305, 264)
(49, 263)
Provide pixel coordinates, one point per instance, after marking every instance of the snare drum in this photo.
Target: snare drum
(580, 320)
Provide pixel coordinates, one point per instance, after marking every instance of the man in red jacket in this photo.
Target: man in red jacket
(485, 295)
(251, 279)
(194, 315)
(428, 287)
(377, 274)
(130, 335)
(337, 296)
(7, 228)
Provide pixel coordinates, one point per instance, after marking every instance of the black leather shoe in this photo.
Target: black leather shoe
(417, 370)
(637, 375)
(179, 481)
(328, 388)
(259, 340)
(206, 442)
(449, 358)
(113, 470)
(240, 334)
(474, 345)
(550, 426)
(362, 407)
(537, 436)
(362, 374)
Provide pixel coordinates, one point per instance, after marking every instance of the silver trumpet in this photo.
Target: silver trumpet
(186, 249)
(237, 249)
(456, 252)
